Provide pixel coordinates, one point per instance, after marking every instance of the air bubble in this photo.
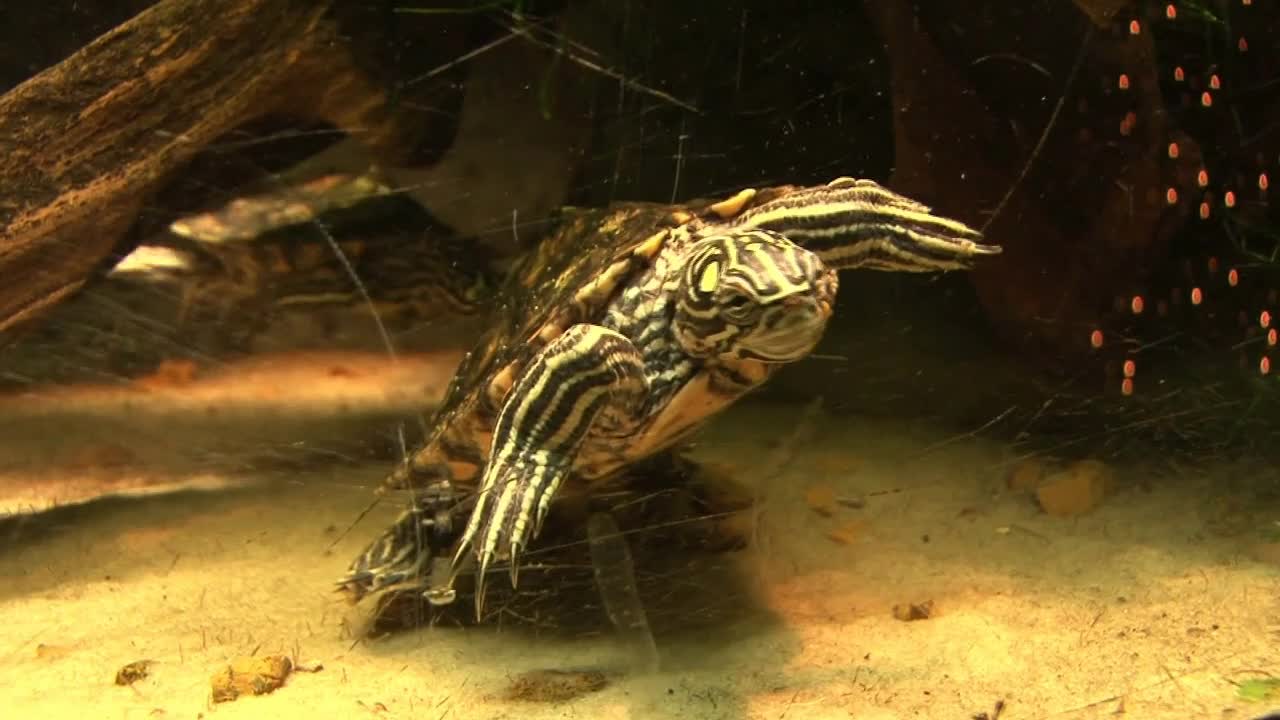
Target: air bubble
(1126, 124)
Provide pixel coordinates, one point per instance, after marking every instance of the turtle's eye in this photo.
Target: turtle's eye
(737, 305)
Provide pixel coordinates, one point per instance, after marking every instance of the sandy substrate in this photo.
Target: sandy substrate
(183, 426)
(1152, 605)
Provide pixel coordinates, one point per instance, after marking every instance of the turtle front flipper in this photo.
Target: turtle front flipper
(588, 378)
(860, 224)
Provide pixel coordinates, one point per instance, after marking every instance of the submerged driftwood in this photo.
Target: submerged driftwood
(85, 142)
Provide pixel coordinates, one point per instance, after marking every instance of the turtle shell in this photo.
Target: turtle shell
(331, 250)
(568, 278)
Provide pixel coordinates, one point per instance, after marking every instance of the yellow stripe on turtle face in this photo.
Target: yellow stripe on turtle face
(710, 278)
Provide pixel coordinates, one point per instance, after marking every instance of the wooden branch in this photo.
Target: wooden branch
(84, 143)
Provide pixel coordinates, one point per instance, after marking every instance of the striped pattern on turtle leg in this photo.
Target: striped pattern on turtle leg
(396, 557)
(860, 224)
(399, 557)
(586, 373)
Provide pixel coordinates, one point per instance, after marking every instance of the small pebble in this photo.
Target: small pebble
(910, 612)
(133, 672)
(1076, 490)
(250, 676)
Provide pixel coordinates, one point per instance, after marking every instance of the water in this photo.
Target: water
(1035, 610)
(1042, 489)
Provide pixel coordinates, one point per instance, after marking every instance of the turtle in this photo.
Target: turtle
(613, 340)
(271, 247)
(336, 251)
(338, 261)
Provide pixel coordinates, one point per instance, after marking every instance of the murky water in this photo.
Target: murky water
(1043, 487)
(1157, 601)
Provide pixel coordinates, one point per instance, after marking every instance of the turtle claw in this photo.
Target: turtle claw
(482, 569)
(587, 371)
(513, 569)
(508, 514)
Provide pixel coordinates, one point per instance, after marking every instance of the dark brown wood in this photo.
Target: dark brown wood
(85, 142)
(1073, 202)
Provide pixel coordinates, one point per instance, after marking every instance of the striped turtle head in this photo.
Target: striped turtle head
(752, 295)
(853, 223)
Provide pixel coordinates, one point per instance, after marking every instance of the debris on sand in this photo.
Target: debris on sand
(250, 676)
(555, 685)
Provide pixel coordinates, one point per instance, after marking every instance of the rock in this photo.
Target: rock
(1026, 476)
(250, 676)
(133, 672)
(848, 533)
(1076, 490)
(821, 499)
(910, 612)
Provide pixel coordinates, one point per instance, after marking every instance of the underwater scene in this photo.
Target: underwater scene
(630, 359)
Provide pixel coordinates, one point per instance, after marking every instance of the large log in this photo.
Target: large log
(84, 143)
(1075, 202)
